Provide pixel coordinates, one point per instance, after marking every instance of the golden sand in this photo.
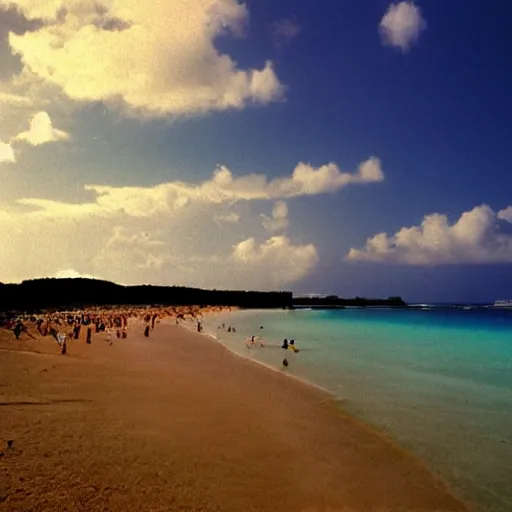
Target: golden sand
(175, 422)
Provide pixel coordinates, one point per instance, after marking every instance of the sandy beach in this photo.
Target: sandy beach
(175, 422)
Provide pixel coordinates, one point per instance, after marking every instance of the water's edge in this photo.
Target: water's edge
(435, 383)
(338, 405)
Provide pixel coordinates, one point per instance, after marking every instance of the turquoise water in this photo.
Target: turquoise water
(438, 382)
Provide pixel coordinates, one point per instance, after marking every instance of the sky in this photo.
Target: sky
(341, 147)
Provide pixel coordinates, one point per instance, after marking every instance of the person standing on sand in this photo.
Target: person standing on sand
(18, 330)
(64, 346)
(146, 331)
(89, 336)
(60, 338)
(53, 334)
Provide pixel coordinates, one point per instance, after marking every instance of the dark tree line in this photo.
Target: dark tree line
(49, 293)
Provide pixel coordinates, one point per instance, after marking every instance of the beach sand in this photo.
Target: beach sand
(178, 423)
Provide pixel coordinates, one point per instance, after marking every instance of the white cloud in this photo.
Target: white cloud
(279, 219)
(222, 188)
(402, 25)
(171, 233)
(188, 250)
(185, 249)
(277, 260)
(41, 131)
(154, 58)
(307, 180)
(285, 30)
(6, 153)
(506, 214)
(479, 236)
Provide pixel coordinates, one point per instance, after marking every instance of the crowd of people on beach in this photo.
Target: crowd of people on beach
(106, 323)
(115, 323)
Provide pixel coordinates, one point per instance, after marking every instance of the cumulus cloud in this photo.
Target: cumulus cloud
(41, 131)
(154, 58)
(184, 250)
(402, 25)
(174, 241)
(478, 236)
(224, 188)
(170, 233)
(285, 30)
(279, 219)
(506, 214)
(6, 153)
(277, 257)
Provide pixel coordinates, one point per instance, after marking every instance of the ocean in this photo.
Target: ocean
(437, 380)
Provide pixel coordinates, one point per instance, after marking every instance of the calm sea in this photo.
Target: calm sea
(438, 381)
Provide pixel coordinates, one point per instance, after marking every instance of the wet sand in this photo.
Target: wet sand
(177, 423)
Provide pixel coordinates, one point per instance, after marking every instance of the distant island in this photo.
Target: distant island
(333, 301)
(52, 293)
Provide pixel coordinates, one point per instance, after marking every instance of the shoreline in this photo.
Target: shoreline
(196, 428)
(335, 402)
(269, 367)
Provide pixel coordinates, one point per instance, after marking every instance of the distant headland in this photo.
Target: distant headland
(48, 293)
(335, 302)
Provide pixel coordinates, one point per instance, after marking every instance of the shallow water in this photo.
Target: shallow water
(438, 381)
